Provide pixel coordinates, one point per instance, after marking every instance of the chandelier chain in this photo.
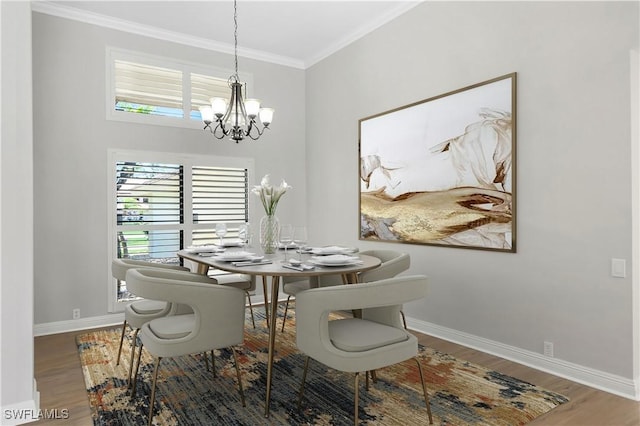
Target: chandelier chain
(235, 36)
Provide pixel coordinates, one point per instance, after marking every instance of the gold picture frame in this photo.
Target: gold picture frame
(441, 171)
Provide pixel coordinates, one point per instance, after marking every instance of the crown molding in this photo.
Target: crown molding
(362, 31)
(158, 33)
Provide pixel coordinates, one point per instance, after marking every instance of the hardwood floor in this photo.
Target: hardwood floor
(61, 385)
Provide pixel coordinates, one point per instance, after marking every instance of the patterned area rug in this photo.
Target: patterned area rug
(187, 394)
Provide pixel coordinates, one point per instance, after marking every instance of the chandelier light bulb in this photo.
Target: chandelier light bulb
(266, 115)
(252, 107)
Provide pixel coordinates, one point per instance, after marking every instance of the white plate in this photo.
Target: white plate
(235, 256)
(231, 243)
(335, 260)
(202, 249)
(331, 250)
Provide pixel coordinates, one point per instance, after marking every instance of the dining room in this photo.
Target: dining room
(562, 298)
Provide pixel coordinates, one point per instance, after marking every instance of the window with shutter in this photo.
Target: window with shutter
(155, 90)
(163, 206)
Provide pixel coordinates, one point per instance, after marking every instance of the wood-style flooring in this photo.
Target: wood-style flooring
(61, 385)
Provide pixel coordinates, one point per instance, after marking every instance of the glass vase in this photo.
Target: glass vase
(269, 229)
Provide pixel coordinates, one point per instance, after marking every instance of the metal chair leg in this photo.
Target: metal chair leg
(253, 320)
(153, 391)
(284, 317)
(304, 379)
(133, 353)
(213, 364)
(235, 360)
(424, 390)
(206, 360)
(356, 399)
(124, 329)
(404, 320)
(135, 376)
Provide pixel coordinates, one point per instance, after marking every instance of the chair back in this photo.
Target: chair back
(119, 267)
(393, 263)
(219, 310)
(380, 301)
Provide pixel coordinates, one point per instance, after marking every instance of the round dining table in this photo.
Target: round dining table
(273, 272)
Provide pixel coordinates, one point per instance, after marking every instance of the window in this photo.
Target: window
(163, 203)
(153, 90)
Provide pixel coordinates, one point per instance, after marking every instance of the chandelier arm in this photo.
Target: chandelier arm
(223, 131)
(260, 132)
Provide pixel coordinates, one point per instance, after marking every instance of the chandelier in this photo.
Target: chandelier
(237, 118)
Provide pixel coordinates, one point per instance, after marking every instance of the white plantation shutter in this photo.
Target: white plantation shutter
(148, 85)
(152, 204)
(162, 91)
(204, 87)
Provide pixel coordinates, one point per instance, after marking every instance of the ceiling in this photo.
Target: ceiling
(296, 33)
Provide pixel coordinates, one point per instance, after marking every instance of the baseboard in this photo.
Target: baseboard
(22, 412)
(78, 324)
(103, 321)
(607, 382)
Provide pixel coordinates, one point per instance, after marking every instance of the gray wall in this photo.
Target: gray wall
(72, 136)
(573, 165)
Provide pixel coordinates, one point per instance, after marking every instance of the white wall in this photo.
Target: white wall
(573, 166)
(17, 390)
(72, 136)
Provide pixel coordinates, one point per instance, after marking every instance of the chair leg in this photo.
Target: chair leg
(253, 320)
(356, 399)
(124, 329)
(213, 364)
(153, 390)
(284, 317)
(424, 390)
(206, 360)
(135, 376)
(133, 353)
(304, 379)
(404, 320)
(235, 360)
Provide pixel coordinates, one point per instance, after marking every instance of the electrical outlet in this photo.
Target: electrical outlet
(548, 349)
(76, 313)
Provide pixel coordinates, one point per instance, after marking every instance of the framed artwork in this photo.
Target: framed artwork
(442, 171)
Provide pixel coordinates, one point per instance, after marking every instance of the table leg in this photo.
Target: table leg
(275, 283)
(203, 269)
(266, 298)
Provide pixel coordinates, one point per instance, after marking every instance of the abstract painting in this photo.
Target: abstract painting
(442, 171)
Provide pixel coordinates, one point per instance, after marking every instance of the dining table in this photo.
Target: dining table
(273, 272)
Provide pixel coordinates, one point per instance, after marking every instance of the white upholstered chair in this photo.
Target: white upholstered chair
(393, 263)
(291, 286)
(355, 345)
(140, 311)
(217, 320)
(244, 282)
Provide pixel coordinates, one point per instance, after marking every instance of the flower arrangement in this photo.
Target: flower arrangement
(269, 195)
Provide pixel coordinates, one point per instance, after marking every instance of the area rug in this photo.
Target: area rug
(187, 394)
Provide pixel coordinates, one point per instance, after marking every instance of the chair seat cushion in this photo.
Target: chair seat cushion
(357, 335)
(147, 307)
(296, 287)
(241, 281)
(173, 327)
